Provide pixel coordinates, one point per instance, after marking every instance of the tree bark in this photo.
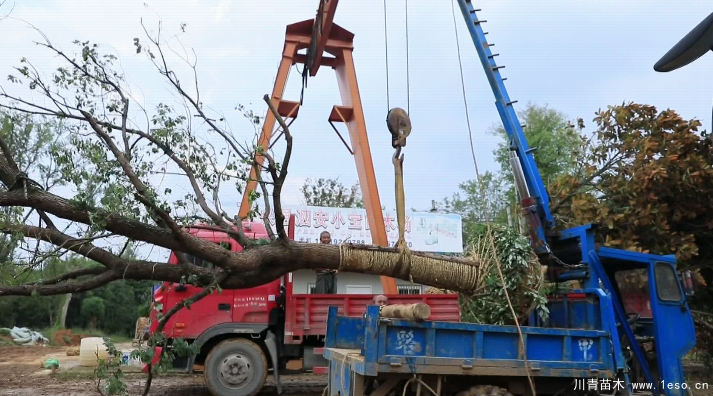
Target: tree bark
(265, 263)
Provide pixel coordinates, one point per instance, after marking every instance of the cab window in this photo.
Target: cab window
(203, 263)
(667, 283)
(633, 287)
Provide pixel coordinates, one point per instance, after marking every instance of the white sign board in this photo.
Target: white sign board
(425, 232)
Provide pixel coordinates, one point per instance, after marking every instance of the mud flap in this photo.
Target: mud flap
(271, 344)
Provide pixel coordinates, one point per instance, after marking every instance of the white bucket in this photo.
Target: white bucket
(89, 349)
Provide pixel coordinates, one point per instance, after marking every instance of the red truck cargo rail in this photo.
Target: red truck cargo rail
(306, 314)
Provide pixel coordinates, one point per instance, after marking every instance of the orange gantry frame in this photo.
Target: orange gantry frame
(339, 43)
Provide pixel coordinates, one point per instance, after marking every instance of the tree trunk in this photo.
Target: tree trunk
(50, 315)
(63, 315)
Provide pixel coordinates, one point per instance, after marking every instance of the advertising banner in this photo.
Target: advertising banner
(425, 232)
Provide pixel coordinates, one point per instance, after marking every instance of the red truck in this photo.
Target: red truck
(245, 333)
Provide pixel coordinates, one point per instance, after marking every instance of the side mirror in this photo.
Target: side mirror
(181, 288)
(687, 283)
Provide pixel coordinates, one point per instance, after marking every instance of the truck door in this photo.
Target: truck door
(211, 310)
(673, 325)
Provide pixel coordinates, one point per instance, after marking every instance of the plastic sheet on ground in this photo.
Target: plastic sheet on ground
(25, 336)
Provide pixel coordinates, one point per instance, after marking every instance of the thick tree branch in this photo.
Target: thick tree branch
(61, 288)
(68, 210)
(119, 225)
(266, 212)
(64, 241)
(141, 188)
(288, 139)
(263, 264)
(279, 180)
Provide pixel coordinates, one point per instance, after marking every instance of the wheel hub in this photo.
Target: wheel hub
(236, 370)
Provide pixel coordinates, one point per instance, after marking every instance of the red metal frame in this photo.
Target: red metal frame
(306, 314)
(339, 43)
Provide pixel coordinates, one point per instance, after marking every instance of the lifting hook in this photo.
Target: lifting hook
(399, 124)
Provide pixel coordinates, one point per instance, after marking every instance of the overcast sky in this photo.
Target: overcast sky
(574, 56)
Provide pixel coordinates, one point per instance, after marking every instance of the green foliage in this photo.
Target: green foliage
(559, 143)
(522, 273)
(109, 370)
(124, 300)
(31, 141)
(36, 311)
(559, 146)
(331, 193)
(31, 312)
(96, 172)
(647, 183)
(93, 308)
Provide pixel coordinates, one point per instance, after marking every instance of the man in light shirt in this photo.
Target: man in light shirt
(326, 278)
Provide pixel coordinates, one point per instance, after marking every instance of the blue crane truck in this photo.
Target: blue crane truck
(594, 340)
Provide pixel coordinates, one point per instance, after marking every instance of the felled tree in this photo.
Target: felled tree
(111, 149)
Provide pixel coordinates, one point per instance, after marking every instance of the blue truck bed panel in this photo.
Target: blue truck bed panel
(371, 345)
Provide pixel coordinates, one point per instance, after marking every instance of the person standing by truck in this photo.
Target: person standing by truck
(380, 300)
(326, 278)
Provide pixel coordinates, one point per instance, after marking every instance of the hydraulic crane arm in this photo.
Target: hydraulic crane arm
(533, 195)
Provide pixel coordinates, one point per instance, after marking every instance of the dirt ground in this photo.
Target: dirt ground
(21, 374)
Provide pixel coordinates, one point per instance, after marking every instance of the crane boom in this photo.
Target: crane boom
(533, 195)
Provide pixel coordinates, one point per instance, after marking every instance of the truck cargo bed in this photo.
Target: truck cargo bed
(370, 345)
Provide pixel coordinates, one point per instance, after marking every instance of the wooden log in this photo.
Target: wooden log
(418, 311)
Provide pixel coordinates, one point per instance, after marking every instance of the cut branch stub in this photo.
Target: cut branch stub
(418, 311)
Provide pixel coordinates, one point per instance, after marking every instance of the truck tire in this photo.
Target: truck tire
(235, 367)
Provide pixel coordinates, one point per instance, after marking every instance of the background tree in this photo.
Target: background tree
(93, 309)
(331, 193)
(556, 138)
(31, 142)
(559, 144)
(648, 182)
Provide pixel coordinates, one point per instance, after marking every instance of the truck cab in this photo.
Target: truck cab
(654, 328)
